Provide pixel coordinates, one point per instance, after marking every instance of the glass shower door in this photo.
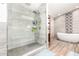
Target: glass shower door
(26, 30)
(19, 28)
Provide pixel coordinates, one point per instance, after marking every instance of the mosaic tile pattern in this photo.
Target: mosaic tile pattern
(68, 22)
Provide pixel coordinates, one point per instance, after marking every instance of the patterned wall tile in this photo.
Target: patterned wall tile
(68, 23)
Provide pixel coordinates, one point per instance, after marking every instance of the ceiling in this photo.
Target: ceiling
(56, 9)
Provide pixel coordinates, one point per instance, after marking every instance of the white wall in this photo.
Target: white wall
(59, 24)
(76, 21)
(3, 29)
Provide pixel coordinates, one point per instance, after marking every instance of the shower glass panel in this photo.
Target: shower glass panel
(23, 29)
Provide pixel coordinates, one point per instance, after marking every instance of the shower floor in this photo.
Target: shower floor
(23, 50)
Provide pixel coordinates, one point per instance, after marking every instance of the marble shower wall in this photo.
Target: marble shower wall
(43, 30)
(19, 25)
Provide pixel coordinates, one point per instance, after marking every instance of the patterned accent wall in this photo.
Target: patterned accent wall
(68, 23)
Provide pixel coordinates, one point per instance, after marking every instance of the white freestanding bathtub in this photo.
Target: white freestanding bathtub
(68, 37)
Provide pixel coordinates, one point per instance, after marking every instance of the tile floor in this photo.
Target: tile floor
(46, 52)
(62, 48)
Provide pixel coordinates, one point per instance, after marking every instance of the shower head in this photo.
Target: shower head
(36, 12)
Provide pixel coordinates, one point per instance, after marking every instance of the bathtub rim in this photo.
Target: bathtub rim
(66, 34)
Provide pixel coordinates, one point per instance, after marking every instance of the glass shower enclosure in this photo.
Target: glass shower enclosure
(24, 27)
